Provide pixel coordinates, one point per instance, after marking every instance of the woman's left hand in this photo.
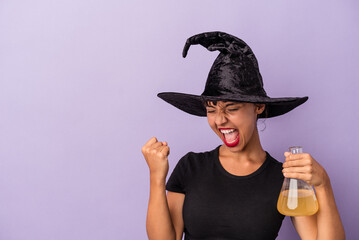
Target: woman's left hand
(303, 166)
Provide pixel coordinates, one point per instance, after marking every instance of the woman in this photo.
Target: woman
(231, 192)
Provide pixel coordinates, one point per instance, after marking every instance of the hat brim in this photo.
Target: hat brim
(193, 104)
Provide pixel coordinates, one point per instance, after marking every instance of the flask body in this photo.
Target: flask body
(297, 198)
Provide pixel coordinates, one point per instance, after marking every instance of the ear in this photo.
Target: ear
(260, 108)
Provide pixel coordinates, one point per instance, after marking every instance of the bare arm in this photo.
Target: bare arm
(159, 224)
(326, 223)
(175, 204)
(306, 226)
(328, 219)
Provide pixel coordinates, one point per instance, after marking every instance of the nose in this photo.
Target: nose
(220, 118)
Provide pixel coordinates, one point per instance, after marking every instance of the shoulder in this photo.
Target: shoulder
(273, 161)
(197, 157)
(198, 160)
(188, 168)
(274, 165)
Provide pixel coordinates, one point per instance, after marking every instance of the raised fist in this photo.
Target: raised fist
(156, 153)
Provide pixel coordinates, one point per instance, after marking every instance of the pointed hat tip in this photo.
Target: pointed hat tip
(185, 48)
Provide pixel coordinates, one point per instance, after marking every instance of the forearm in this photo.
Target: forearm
(328, 220)
(159, 224)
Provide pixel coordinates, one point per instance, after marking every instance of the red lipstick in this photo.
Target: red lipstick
(231, 143)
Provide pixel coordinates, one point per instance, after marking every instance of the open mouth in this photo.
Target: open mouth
(230, 136)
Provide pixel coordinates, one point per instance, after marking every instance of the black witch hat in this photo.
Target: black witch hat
(234, 76)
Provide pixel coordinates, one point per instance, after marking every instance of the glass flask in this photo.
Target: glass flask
(297, 197)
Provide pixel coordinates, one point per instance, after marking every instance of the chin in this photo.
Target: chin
(234, 149)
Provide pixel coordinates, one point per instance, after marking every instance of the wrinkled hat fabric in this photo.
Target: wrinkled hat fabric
(234, 76)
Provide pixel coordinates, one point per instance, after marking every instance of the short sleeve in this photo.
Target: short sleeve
(177, 180)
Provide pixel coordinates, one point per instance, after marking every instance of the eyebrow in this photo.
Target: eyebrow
(231, 104)
(227, 105)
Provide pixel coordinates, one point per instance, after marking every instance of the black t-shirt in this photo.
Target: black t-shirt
(219, 205)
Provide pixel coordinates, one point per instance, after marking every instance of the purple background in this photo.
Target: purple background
(78, 85)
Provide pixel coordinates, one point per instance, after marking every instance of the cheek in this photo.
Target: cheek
(246, 126)
(251, 129)
(211, 123)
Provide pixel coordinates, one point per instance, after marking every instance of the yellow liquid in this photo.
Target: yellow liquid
(304, 204)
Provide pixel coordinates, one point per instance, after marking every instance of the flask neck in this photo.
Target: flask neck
(295, 150)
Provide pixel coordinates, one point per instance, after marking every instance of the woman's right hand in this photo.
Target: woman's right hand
(156, 153)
